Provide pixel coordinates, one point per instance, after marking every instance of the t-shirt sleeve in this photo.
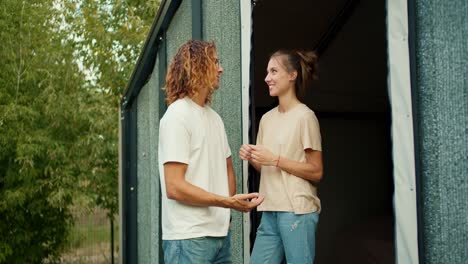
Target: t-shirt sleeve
(310, 132)
(260, 133)
(227, 149)
(174, 140)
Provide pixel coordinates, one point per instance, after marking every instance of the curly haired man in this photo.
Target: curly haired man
(195, 164)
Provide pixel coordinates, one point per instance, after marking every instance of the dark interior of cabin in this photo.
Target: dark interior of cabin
(350, 99)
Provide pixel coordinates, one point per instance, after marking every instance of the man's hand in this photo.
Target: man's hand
(245, 202)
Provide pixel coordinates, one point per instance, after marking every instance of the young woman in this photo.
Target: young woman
(288, 156)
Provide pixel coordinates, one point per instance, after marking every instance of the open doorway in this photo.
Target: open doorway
(351, 102)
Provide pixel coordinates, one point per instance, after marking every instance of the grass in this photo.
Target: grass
(89, 239)
(89, 235)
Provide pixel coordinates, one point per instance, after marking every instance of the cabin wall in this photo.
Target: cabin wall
(220, 23)
(441, 102)
(440, 110)
(150, 106)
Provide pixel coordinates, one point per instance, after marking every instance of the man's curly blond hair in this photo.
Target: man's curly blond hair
(194, 67)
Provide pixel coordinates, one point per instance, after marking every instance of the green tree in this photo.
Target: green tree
(40, 126)
(64, 66)
(109, 36)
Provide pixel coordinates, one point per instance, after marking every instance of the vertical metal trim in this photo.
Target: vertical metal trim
(412, 41)
(132, 241)
(124, 169)
(129, 180)
(121, 173)
(197, 30)
(253, 176)
(162, 69)
(162, 54)
(246, 50)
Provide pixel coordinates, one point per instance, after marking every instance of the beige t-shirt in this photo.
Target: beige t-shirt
(289, 135)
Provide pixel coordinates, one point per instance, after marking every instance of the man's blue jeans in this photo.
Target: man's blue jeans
(285, 233)
(201, 250)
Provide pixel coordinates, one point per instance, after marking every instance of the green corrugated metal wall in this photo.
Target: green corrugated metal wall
(147, 170)
(441, 45)
(220, 23)
(441, 107)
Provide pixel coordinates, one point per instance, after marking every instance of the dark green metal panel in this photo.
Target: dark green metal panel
(129, 247)
(162, 54)
(441, 100)
(140, 76)
(144, 173)
(197, 19)
(221, 24)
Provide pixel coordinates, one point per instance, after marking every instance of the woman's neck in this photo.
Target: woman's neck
(287, 102)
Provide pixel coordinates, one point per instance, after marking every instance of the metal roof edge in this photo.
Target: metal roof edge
(147, 58)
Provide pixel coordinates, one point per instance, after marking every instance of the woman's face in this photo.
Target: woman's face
(279, 81)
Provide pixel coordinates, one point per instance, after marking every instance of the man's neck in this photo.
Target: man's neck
(200, 99)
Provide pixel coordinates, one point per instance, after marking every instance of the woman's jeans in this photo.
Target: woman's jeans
(202, 250)
(285, 233)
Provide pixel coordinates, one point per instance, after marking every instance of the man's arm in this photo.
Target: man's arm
(231, 176)
(177, 188)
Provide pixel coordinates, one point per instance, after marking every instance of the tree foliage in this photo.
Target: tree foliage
(109, 35)
(63, 67)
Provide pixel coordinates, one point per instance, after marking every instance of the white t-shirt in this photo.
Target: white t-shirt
(194, 135)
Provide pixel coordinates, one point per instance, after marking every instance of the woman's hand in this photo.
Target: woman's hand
(263, 156)
(245, 151)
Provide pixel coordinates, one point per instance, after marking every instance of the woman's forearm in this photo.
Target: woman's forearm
(257, 166)
(306, 170)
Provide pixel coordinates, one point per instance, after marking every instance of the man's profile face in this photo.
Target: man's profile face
(220, 70)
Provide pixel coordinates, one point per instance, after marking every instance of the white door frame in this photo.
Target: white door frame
(404, 172)
(246, 46)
